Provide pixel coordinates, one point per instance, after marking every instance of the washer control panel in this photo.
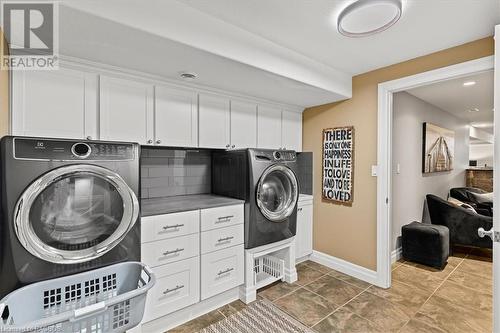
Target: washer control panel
(274, 155)
(70, 150)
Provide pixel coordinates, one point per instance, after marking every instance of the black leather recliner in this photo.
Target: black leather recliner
(464, 194)
(462, 223)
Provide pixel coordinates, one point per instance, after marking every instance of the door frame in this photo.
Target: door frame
(386, 90)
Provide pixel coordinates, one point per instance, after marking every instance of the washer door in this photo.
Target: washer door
(74, 214)
(277, 193)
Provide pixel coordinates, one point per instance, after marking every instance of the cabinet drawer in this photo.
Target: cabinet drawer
(158, 227)
(177, 286)
(170, 250)
(222, 238)
(222, 270)
(220, 217)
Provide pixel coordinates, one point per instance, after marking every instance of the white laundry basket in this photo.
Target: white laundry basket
(108, 299)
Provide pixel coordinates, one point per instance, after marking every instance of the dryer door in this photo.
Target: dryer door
(74, 214)
(277, 193)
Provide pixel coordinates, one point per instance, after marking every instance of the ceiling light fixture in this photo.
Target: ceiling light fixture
(473, 110)
(188, 76)
(469, 83)
(368, 17)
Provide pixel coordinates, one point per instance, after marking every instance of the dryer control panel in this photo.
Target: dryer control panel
(274, 155)
(72, 150)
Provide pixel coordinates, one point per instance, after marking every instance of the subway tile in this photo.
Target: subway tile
(161, 153)
(155, 182)
(160, 172)
(155, 161)
(144, 172)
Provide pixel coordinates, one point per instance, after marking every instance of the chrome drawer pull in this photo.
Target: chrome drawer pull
(225, 239)
(172, 226)
(173, 289)
(225, 271)
(166, 253)
(224, 218)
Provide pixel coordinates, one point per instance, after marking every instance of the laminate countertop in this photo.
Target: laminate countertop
(184, 203)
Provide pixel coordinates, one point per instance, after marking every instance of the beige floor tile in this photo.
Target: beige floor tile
(417, 326)
(199, 323)
(436, 272)
(476, 266)
(316, 266)
(387, 315)
(475, 282)
(306, 306)
(448, 316)
(307, 274)
(343, 320)
(334, 290)
(472, 299)
(410, 298)
(349, 279)
(277, 290)
(416, 277)
(232, 308)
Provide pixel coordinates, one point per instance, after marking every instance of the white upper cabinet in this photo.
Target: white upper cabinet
(126, 110)
(61, 104)
(176, 117)
(214, 121)
(243, 125)
(292, 130)
(268, 127)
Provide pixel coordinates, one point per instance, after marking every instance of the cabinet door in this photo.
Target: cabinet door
(214, 121)
(292, 130)
(176, 117)
(177, 286)
(304, 235)
(243, 125)
(61, 104)
(126, 110)
(268, 127)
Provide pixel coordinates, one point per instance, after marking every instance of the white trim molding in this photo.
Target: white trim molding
(396, 254)
(384, 149)
(345, 267)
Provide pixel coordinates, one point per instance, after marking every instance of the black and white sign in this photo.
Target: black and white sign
(338, 165)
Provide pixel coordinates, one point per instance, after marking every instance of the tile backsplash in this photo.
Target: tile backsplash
(171, 172)
(305, 168)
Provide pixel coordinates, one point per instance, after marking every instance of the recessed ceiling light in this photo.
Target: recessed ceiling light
(367, 17)
(188, 76)
(469, 83)
(473, 110)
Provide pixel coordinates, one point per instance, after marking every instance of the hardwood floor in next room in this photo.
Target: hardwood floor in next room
(421, 299)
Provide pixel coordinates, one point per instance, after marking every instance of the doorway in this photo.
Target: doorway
(388, 167)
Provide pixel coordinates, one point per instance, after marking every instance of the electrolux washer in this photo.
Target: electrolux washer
(266, 179)
(67, 206)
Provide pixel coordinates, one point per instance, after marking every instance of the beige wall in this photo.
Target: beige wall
(349, 233)
(4, 98)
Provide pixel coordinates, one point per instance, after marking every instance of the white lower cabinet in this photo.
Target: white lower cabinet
(222, 270)
(193, 256)
(174, 249)
(304, 234)
(177, 286)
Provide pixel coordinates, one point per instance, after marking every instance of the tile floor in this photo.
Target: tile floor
(421, 299)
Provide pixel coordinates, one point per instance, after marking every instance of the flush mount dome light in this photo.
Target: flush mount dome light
(367, 17)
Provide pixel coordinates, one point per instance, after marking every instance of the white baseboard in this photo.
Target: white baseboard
(396, 254)
(345, 267)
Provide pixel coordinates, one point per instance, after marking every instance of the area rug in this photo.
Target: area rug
(259, 317)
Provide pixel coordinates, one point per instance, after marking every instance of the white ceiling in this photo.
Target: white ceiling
(297, 39)
(308, 27)
(107, 42)
(456, 99)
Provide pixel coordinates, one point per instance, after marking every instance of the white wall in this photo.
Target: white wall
(482, 153)
(410, 186)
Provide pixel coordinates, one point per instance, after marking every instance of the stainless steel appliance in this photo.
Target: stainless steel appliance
(67, 206)
(267, 181)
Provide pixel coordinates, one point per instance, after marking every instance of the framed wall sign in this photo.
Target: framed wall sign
(338, 165)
